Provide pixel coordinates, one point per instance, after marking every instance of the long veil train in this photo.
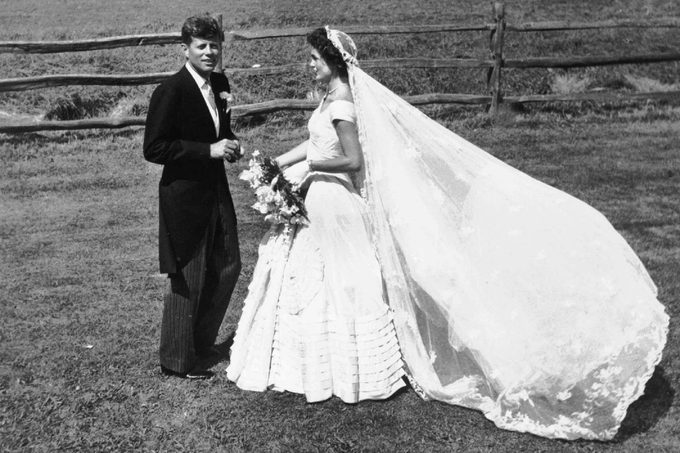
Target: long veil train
(510, 296)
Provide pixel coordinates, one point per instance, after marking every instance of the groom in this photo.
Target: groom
(188, 132)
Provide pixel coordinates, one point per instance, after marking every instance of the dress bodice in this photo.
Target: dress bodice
(323, 140)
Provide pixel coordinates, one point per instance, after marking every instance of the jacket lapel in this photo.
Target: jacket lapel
(219, 103)
(197, 102)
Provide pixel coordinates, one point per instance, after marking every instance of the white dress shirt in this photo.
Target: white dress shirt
(208, 96)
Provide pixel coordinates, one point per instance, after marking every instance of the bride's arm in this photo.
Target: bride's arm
(351, 161)
(295, 155)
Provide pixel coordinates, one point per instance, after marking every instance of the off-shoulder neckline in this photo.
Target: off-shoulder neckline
(328, 105)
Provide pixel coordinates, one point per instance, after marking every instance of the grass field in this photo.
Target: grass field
(80, 297)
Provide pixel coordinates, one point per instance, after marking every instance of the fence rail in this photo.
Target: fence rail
(670, 22)
(600, 60)
(238, 111)
(278, 105)
(48, 81)
(495, 65)
(88, 44)
(174, 37)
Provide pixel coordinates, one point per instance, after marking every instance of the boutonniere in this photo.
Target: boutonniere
(225, 99)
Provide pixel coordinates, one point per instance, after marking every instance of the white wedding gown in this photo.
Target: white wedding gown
(507, 295)
(315, 321)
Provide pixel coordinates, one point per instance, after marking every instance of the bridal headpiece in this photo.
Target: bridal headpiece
(344, 44)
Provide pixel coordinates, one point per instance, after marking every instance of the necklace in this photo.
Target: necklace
(331, 91)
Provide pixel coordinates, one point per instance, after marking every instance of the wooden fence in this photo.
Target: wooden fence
(494, 64)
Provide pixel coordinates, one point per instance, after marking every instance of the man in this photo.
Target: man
(188, 132)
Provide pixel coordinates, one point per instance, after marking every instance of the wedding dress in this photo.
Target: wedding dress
(315, 321)
(508, 296)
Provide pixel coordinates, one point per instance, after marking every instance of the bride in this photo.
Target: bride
(315, 320)
(428, 258)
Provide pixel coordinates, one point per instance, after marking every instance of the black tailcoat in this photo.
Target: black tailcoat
(179, 131)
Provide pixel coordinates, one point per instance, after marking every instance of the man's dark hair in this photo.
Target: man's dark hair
(319, 40)
(203, 26)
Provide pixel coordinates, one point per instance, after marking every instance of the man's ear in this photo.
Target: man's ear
(185, 49)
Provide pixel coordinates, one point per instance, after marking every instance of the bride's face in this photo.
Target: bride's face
(322, 72)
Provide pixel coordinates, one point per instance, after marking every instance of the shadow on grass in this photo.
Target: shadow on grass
(61, 137)
(644, 413)
(33, 138)
(641, 225)
(245, 122)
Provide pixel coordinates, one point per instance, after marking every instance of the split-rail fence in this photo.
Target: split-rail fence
(494, 65)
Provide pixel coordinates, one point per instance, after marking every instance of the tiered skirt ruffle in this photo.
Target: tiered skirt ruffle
(354, 359)
(292, 338)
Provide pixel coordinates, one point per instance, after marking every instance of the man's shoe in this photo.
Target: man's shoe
(199, 374)
(195, 374)
(209, 352)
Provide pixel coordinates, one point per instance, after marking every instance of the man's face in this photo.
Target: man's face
(203, 54)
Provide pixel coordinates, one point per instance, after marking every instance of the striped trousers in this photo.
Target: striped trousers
(197, 296)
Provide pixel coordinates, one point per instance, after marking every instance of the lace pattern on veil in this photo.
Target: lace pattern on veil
(509, 296)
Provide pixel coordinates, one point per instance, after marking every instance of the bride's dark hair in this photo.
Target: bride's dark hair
(319, 40)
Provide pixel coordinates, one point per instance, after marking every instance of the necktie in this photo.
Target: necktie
(213, 106)
(211, 98)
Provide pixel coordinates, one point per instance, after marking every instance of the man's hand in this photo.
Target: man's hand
(229, 150)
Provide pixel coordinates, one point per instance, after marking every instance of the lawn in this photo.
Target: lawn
(80, 298)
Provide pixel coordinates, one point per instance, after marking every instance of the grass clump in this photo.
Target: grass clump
(76, 107)
(569, 83)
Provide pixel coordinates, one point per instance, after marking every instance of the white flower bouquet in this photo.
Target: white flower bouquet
(277, 198)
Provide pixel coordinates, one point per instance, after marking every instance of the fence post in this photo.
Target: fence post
(496, 47)
(219, 68)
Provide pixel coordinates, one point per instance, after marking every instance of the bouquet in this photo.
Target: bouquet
(276, 197)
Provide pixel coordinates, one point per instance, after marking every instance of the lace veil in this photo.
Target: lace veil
(509, 296)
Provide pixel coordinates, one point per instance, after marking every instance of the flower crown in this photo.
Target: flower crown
(337, 37)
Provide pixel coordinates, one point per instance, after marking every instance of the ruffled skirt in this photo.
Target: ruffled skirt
(315, 321)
